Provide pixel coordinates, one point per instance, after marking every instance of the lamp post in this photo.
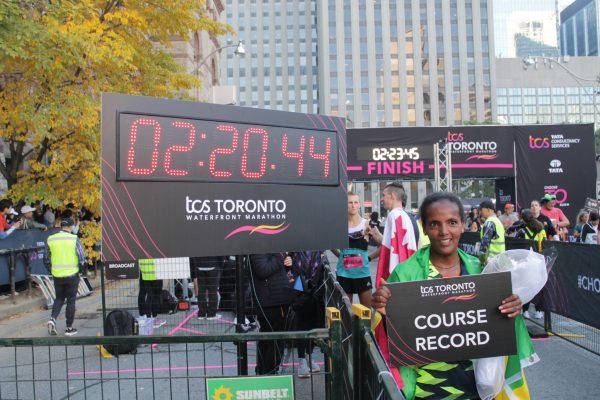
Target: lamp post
(239, 50)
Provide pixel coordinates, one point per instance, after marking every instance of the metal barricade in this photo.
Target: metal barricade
(373, 380)
(164, 367)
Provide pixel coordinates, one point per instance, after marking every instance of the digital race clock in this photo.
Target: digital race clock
(161, 148)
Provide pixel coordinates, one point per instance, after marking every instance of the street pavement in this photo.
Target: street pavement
(565, 371)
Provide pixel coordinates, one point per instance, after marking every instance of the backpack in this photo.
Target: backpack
(120, 323)
(168, 303)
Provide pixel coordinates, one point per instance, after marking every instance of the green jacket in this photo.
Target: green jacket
(417, 268)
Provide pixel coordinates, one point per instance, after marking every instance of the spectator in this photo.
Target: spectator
(272, 280)
(49, 217)
(589, 232)
(309, 306)
(150, 292)
(582, 219)
(28, 221)
(509, 216)
(6, 228)
(473, 221)
(38, 214)
(558, 218)
(64, 257)
(206, 272)
(548, 225)
(532, 229)
(492, 232)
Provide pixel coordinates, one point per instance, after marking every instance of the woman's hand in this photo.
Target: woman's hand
(380, 298)
(511, 306)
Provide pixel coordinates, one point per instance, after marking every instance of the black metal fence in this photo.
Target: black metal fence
(365, 374)
(164, 367)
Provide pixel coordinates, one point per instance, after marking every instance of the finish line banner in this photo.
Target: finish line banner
(407, 153)
(449, 319)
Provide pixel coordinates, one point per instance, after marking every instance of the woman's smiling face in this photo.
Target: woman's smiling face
(444, 227)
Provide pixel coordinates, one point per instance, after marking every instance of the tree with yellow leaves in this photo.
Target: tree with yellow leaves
(56, 57)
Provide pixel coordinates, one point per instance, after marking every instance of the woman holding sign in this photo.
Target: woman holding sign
(443, 222)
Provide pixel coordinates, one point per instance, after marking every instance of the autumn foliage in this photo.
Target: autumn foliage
(56, 58)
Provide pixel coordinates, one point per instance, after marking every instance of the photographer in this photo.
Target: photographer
(272, 279)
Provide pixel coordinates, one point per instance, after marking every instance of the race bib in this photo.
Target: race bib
(352, 261)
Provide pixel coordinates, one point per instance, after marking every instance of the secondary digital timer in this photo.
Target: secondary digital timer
(162, 148)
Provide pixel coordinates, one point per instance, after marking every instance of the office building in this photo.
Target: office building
(579, 28)
(545, 93)
(279, 70)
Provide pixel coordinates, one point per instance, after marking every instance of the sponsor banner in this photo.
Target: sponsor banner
(248, 184)
(407, 153)
(122, 270)
(556, 159)
(259, 387)
(505, 192)
(590, 205)
(449, 319)
(573, 288)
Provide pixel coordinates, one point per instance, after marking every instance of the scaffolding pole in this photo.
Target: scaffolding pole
(443, 166)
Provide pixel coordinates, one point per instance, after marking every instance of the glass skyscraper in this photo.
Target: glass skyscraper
(579, 24)
(377, 63)
(406, 62)
(525, 28)
(279, 70)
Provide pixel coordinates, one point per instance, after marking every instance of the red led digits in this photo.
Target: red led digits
(321, 156)
(132, 141)
(180, 149)
(212, 164)
(294, 154)
(263, 154)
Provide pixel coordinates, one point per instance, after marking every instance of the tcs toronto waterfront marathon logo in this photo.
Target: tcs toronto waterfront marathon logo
(271, 210)
(458, 291)
(482, 150)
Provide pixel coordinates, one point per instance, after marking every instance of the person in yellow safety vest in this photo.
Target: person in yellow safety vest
(64, 258)
(150, 292)
(492, 232)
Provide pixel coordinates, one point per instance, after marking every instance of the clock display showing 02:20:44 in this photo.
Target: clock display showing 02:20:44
(159, 148)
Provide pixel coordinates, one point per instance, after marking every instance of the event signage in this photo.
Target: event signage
(449, 319)
(122, 270)
(185, 179)
(407, 152)
(548, 159)
(258, 387)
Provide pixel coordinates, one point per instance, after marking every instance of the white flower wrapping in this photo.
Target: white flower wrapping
(528, 275)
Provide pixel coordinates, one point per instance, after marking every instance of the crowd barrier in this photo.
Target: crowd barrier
(164, 367)
(365, 373)
(572, 294)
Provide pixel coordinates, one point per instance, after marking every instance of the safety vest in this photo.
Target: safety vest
(63, 254)
(147, 269)
(497, 244)
(538, 237)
